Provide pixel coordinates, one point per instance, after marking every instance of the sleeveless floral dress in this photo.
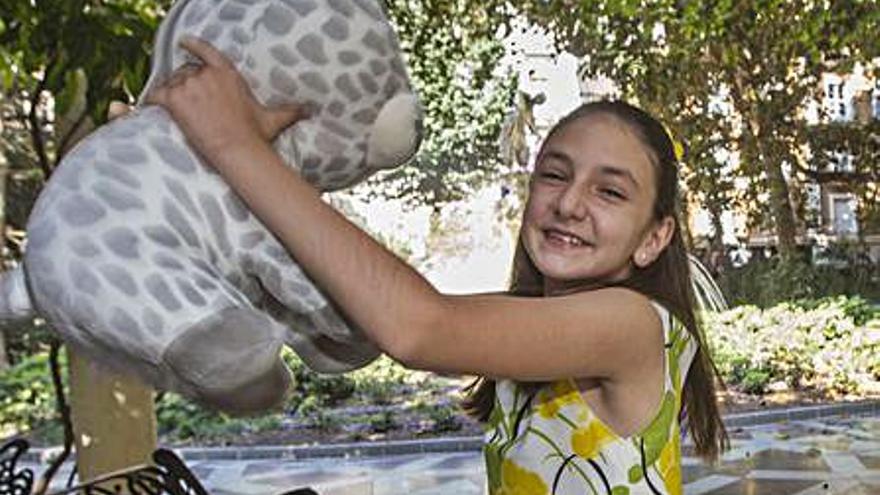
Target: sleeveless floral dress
(552, 443)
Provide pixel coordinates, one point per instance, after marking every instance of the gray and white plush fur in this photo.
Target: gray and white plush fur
(143, 258)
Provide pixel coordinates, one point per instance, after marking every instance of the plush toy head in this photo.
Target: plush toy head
(339, 56)
(140, 256)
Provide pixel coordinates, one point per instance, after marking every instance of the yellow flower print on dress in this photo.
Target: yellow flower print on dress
(551, 399)
(587, 441)
(516, 480)
(669, 467)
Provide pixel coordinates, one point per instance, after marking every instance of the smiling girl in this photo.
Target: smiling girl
(589, 358)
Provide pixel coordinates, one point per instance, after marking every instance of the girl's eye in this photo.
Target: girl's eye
(551, 175)
(612, 193)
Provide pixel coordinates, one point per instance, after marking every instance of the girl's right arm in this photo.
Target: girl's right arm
(597, 334)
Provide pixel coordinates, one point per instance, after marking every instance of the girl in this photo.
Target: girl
(589, 358)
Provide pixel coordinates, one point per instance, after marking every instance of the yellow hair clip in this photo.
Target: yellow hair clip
(677, 146)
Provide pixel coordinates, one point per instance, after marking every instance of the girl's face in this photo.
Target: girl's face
(589, 216)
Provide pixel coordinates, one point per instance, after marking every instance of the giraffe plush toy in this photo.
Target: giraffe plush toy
(143, 258)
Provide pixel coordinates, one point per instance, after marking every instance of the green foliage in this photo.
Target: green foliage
(314, 390)
(755, 381)
(49, 40)
(180, 419)
(27, 395)
(856, 308)
(738, 370)
(767, 282)
(26, 338)
(444, 417)
(381, 381)
(452, 50)
(61, 63)
(829, 345)
(382, 422)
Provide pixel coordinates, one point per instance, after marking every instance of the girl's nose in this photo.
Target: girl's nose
(572, 203)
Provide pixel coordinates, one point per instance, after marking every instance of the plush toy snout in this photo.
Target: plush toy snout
(396, 133)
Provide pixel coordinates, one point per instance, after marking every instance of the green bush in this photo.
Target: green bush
(831, 345)
(27, 402)
(322, 389)
(182, 420)
(755, 381)
(765, 283)
(26, 338)
(382, 422)
(27, 395)
(444, 418)
(381, 381)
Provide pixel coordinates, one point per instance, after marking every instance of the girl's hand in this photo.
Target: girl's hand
(117, 109)
(214, 107)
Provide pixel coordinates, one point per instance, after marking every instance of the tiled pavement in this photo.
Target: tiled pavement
(820, 456)
(805, 457)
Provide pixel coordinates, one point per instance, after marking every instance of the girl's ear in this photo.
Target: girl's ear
(655, 241)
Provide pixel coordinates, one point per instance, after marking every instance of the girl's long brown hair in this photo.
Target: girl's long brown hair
(666, 280)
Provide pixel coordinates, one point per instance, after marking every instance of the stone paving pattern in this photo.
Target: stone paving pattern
(804, 457)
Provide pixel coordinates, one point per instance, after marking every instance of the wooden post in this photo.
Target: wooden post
(114, 420)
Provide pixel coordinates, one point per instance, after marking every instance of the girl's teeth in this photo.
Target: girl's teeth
(574, 241)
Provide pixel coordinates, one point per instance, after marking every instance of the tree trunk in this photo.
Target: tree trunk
(757, 135)
(717, 227)
(780, 206)
(4, 173)
(4, 354)
(685, 222)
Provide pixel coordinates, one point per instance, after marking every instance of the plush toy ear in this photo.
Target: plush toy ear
(396, 132)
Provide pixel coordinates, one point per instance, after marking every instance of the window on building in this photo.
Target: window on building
(843, 210)
(813, 204)
(841, 161)
(836, 100)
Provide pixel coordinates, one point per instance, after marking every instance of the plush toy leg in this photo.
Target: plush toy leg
(321, 337)
(326, 342)
(396, 132)
(231, 361)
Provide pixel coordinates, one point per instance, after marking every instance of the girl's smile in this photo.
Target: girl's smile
(564, 239)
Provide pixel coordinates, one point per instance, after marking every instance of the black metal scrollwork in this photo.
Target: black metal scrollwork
(12, 480)
(169, 476)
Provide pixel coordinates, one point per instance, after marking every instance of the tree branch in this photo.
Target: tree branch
(64, 409)
(36, 129)
(66, 139)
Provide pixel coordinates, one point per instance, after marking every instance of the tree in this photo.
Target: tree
(452, 49)
(747, 69)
